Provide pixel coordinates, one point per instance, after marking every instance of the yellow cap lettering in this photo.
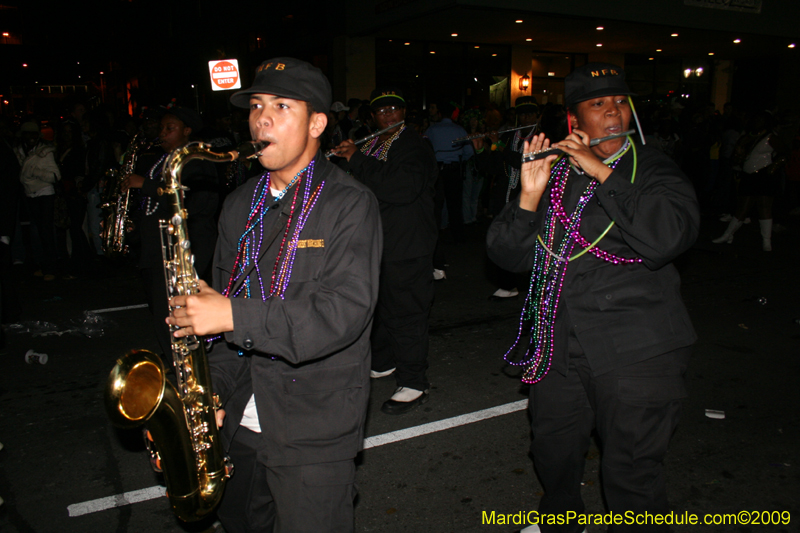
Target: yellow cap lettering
(280, 66)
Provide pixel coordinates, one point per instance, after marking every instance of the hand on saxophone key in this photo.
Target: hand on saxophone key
(205, 313)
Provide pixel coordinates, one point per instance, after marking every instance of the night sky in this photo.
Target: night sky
(165, 45)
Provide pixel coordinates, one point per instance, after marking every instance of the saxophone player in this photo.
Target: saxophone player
(294, 289)
(178, 126)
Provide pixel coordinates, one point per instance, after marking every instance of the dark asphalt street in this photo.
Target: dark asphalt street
(60, 451)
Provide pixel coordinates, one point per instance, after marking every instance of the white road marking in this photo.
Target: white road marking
(447, 423)
(151, 493)
(118, 500)
(112, 309)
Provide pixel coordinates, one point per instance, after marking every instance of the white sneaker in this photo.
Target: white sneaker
(439, 274)
(377, 375)
(404, 394)
(500, 294)
(404, 400)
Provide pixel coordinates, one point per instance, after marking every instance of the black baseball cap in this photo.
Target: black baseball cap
(290, 78)
(594, 80)
(526, 104)
(188, 116)
(386, 96)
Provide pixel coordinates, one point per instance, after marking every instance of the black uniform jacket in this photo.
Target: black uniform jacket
(404, 185)
(621, 314)
(307, 356)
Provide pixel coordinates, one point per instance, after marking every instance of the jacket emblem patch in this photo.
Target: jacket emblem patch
(311, 243)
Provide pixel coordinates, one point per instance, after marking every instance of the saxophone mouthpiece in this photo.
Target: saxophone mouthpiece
(251, 149)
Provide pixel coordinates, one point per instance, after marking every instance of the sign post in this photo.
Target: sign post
(224, 74)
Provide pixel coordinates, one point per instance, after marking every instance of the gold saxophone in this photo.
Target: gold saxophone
(116, 223)
(181, 421)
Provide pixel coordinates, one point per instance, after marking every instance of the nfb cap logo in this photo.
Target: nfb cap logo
(604, 72)
(277, 66)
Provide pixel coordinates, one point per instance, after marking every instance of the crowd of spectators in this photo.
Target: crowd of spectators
(54, 169)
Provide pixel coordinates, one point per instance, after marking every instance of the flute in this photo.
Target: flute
(478, 135)
(541, 154)
(368, 137)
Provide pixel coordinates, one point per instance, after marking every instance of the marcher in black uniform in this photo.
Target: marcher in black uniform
(612, 331)
(177, 126)
(298, 258)
(400, 168)
(503, 159)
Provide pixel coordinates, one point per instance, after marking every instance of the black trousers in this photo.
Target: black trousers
(285, 499)
(400, 329)
(453, 181)
(42, 213)
(634, 409)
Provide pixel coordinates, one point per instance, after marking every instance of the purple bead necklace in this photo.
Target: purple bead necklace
(383, 148)
(252, 239)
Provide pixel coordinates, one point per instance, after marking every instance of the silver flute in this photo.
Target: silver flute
(541, 154)
(479, 135)
(368, 137)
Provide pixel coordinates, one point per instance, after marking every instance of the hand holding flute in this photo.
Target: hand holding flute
(347, 147)
(539, 155)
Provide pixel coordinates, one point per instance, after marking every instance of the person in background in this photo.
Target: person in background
(338, 113)
(400, 168)
(353, 104)
(39, 175)
(99, 160)
(756, 154)
(72, 162)
(451, 158)
(473, 179)
(505, 152)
